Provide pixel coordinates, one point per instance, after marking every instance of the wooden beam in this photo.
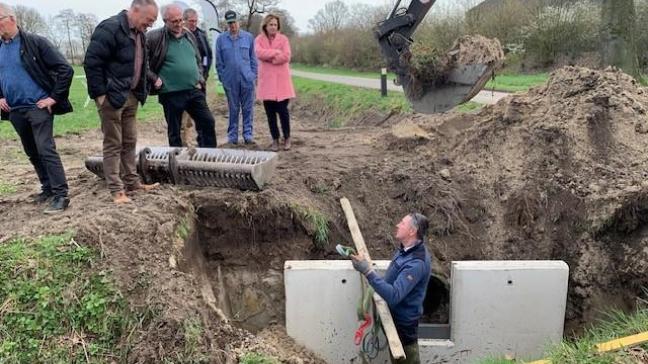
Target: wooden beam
(395, 345)
(624, 342)
(612, 345)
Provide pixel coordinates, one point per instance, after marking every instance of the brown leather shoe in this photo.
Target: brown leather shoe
(141, 187)
(120, 198)
(287, 144)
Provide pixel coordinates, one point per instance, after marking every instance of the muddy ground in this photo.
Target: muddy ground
(557, 173)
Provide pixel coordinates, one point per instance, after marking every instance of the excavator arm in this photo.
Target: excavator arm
(461, 82)
(395, 33)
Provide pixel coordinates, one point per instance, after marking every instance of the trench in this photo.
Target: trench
(239, 260)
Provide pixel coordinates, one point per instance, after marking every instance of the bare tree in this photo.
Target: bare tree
(66, 20)
(30, 20)
(52, 33)
(330, 18)
(617, 35)
(85, 23)
(253, 7)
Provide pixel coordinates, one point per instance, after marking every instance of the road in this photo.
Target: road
(483, 97)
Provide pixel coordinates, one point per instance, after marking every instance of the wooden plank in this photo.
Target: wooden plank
(395, 345)
(623, 342)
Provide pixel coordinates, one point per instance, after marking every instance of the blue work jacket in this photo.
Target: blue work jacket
(236, 62)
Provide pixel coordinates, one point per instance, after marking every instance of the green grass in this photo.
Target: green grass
(54, 308)
(6, 188)
(254, 358)
(469, 107)
(347, 102)
(503, 82)
(616, 324)
(516, 83)
(317, 223)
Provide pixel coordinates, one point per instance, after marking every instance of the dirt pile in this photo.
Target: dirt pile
(559, 173)
(430, 67)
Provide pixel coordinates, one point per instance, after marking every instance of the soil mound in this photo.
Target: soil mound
(561, 174)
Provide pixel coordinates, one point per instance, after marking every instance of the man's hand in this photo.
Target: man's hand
(46, 103)
(361, 264)
(4, 106)
(158, 83)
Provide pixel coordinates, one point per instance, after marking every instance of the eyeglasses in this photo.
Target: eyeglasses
(175, 21)
(4, 17)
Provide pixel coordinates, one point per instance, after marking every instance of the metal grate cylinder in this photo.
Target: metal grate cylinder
(243, 169)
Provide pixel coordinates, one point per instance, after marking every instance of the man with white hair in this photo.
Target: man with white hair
(116, 66)
(175, 65)
(35, 82)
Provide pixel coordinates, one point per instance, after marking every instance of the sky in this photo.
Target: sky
(301, 10)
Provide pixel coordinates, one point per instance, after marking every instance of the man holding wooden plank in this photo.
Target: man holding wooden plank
(404, 285)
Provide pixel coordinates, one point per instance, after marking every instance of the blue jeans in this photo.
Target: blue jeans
(240, 98)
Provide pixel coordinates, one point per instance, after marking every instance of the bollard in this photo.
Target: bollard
(383, 82)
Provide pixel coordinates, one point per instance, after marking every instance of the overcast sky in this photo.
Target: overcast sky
(301, 10)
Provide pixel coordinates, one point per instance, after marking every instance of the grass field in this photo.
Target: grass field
(346, 102)
(504, 82)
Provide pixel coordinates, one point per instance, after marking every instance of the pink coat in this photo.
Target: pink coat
(274, 80)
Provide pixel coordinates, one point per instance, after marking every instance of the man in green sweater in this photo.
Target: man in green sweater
(176, 75)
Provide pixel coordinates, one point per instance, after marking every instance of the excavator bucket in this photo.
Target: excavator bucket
(242, 169)
(435, 82)
(462, 84)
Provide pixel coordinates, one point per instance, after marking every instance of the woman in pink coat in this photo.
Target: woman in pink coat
(275, 86)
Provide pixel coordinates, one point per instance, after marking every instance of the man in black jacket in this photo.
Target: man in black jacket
(116, 66)
(175, 66)
(190, 17)
(35, 83)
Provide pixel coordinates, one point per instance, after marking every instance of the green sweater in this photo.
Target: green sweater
(180, 70)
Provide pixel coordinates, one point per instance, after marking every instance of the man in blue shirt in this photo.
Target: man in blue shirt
(236, 65)
(405, 283)
(35, 83)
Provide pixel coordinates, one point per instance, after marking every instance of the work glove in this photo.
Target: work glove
(361, 264)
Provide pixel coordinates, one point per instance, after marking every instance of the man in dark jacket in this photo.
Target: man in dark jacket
(175, 67)
(116, 66)
(190, 17)
(405, 282)
(35, 83)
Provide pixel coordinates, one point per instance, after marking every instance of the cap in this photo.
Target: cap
(230, 16)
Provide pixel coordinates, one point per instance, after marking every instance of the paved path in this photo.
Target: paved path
(483, 97)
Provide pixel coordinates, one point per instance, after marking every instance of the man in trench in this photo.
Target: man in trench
(405, 283)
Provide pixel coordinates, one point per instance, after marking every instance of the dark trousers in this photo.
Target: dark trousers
(411, 355)
(35, 128)
(195, 104)
(272, 108)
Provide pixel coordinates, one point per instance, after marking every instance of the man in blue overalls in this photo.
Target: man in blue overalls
(236, 65)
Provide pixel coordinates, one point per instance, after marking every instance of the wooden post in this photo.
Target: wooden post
(395, 345)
